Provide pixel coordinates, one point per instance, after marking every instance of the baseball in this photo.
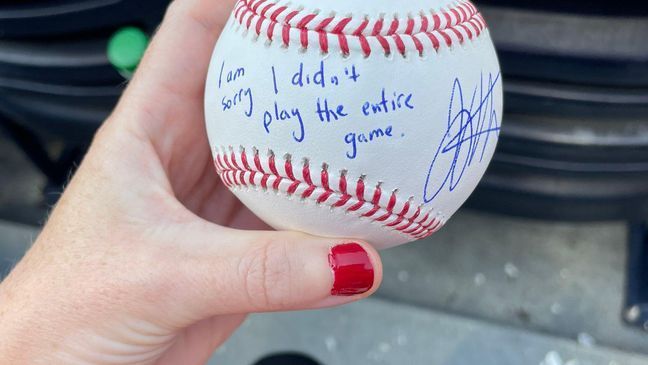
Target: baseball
(359, 119)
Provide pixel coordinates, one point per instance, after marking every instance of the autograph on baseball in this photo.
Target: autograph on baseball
(470, 126)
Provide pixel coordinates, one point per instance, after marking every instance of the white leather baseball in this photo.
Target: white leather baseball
(349, 118)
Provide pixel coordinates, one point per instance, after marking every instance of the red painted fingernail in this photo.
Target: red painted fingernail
(352, 269)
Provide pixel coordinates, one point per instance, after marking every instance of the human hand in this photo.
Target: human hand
(140, 262)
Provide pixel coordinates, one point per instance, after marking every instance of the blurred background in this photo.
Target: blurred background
(547, 264)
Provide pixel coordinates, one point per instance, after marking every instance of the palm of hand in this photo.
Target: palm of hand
(173, 80)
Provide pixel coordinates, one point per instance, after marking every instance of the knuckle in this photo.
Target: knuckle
(173, 9)
(267, 275)
(181, 10)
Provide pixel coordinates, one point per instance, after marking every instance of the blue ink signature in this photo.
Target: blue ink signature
(469, 128)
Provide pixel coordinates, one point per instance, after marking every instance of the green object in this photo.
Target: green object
(126, 48)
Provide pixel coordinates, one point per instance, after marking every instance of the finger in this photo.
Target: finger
(244, 271)
(178, 57)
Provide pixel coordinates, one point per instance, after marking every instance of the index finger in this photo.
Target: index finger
(178, 58)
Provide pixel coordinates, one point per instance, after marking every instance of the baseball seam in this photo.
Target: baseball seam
(426, 30)
(337, 192)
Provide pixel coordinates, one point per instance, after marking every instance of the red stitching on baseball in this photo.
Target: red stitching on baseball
(235, 170)
(410, 26)
(393, 28)
(377, 27)
(424, 23)
(458, 24)
(436, 21)
(361, 27)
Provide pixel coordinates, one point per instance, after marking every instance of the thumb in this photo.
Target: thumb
(258, 271)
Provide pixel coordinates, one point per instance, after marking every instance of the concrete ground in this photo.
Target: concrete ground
(486, 290)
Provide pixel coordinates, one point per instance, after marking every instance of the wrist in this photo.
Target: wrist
(14, 329)
(24, 321)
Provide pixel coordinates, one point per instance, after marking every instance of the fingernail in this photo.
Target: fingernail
(352, 269)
